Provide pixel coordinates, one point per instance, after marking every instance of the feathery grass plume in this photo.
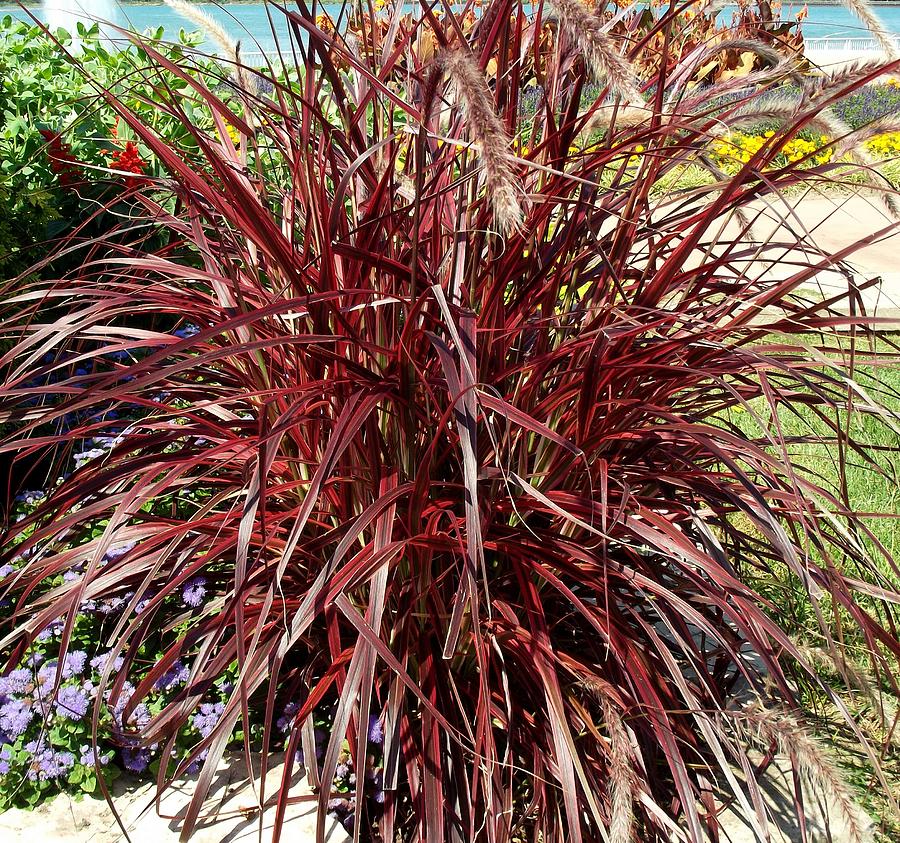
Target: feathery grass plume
(873, 24)
(835, 660)
(213, 29)
(787, 109)
(228, 47)
(698, 58)
(831, 80)
(603, 60)
(856, 138)
(489, 136)
(621, 788)
(769, 727)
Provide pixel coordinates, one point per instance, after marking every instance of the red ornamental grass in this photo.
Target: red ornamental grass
(486, 488)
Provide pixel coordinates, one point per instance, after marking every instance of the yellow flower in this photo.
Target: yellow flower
(234, 134)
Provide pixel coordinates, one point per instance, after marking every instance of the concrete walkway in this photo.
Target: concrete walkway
(826, 224)
(231, 813)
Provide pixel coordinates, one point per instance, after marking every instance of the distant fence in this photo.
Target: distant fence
(818, 49)
(837, 48)
(258, 59)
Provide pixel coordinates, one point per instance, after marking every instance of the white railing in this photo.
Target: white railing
(260, 59)
(831, 46)
(843, 45)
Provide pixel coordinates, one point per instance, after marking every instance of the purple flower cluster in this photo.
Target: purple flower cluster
(47, 763)
(72, 702)
(16, 716)
(98, 663)
(376, 731)
(176, 675)
(31, 498)
(205, 720)
(284, 722)
(137, 718)
(193, 592)
(86, 756)
(189, 329)
(136, 760)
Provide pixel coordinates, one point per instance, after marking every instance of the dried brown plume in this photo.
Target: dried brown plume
(488, 135)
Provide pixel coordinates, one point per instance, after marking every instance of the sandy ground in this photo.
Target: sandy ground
(231, 813)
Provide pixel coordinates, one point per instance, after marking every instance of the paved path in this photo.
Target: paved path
(831, 223)
(230, 812)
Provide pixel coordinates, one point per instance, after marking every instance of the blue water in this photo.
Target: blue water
(250, 22)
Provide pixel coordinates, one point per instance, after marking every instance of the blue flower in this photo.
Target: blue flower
(197, 763)
(136, 760)
(5, 758)
(177, 674)
(206, 719)
(144, 602)
(17, 681)
(52, 629)
(47, 764)
(86, 758)
(194, 591)
(72, 702)
(31, 498)
(74, 664)
(84, 457)
(98, 663)
(284, 722)
(15, 717)
(119, 550)
(187, 330)
(376, 730)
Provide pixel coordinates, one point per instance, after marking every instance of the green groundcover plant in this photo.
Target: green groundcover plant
(64, 154)
(414, 420)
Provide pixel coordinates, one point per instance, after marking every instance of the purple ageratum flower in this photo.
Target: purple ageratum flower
(15, 717)
(144, 603)
(107, 443)
(47, 764)
(84, 457)
(206, 719)
(176, 675)
(378, 785)
(6, 570)
(52, 629)
(338, 806)
(342, 772)
(186, 331)
(114, 604)
(74, 664)
(72, 702)
(5, 758)
(284, 722)
(376, 730)
(31, 498)
(86, 757)
(46, 676)
(197, 763)
(119, 551)
(98, 663)
(193, 592)
(138, 718)
(136, 760)
(18, 681)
